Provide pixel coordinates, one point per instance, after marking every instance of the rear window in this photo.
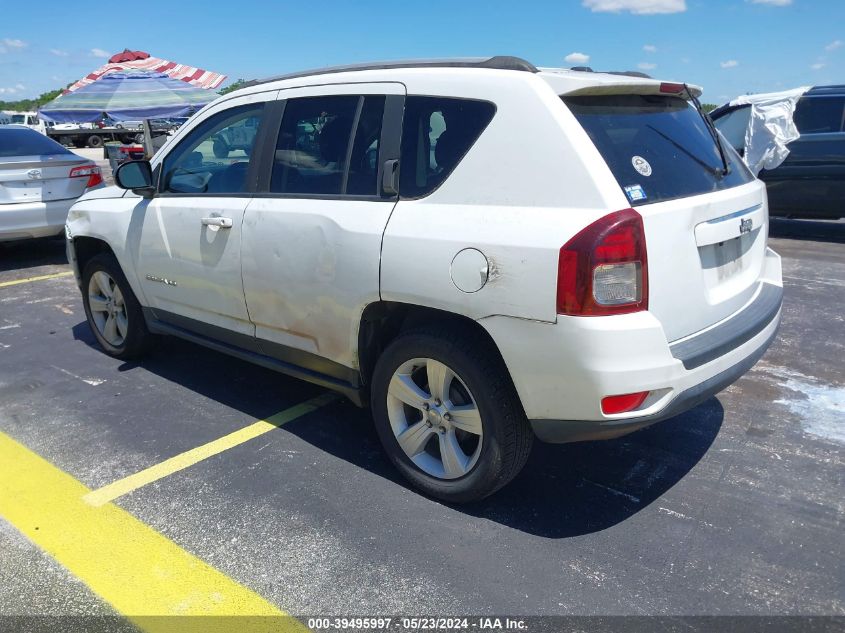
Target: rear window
(25, 142)
(436, 134)
(657, 147)
(819, 115)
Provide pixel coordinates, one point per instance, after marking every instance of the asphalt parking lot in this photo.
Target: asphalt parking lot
(735, 507)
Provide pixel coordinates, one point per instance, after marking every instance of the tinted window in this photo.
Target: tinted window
(817, 115)
(733, 126)
(436, 134)
(215, 156)
(313, 145)
(25, 142)
(657, 147)
(363, 162)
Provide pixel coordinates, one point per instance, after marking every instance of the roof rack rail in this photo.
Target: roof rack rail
(498, 62)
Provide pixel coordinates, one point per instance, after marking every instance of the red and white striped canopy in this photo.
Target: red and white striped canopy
(142, 61)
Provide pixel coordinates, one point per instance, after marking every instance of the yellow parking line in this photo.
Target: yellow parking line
(179, 462)
(141, 573)
(15, 282)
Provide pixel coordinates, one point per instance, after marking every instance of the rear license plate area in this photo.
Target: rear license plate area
(24, 191)
(728, 258)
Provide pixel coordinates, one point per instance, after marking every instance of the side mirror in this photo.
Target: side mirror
(136, 175)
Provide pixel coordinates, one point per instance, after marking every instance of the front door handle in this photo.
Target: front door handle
(223, 223)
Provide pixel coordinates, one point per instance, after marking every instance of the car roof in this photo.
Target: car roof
(834, 90)
(838, 89)
(563, 80)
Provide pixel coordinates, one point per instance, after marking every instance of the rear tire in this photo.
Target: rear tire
(485, 440)
(113, 312)
(95, 141)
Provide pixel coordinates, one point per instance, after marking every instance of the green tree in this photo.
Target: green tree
(232, 86)
(25, 105)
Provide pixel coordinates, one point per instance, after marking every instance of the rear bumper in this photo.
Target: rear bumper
(24, 220)
(563, 370)
(562, 431)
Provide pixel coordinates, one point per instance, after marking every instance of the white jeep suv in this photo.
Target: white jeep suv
(480, 250)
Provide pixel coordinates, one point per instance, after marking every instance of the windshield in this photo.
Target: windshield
(658, 147)
(26, 142)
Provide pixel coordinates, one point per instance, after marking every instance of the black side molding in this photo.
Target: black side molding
(286, 360)
(741, 328)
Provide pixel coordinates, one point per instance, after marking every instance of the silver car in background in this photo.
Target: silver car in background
(39, 181)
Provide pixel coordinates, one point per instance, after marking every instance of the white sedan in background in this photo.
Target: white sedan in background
(39, 181)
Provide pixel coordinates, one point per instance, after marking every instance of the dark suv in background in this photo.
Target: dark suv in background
(810, 183)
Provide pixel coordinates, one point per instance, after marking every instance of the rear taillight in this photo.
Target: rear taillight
(603, 270)
(92, 172)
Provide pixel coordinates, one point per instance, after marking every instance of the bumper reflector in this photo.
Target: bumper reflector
(623, 403)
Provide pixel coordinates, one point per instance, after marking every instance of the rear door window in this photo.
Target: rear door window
(313, 144)
(436, 134)
(819, 115)
(658, 147)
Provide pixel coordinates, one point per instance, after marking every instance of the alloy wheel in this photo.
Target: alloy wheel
(434, 418)
(108, 310)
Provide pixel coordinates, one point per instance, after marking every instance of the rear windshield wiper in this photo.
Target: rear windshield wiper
(713, 170)
(712, 129)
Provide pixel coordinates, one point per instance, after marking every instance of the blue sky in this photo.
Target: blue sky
(728, 46)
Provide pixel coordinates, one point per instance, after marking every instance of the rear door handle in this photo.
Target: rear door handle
(223, 223)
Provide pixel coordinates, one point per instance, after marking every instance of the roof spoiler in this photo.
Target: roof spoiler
(650, 87)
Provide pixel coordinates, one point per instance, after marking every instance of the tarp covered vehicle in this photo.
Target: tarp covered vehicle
(795, 142)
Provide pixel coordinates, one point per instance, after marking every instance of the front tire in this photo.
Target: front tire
(448, 415)
(113, 312)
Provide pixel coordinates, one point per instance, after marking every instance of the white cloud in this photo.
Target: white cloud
(731, 63)
(817, 66)
(833, 45)
(774, 3)
(577, 58)
(12, 90)
(99, 52)
(646, 66)
(11, 43)
(650, 48)
(59, 53)
(637, 7)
